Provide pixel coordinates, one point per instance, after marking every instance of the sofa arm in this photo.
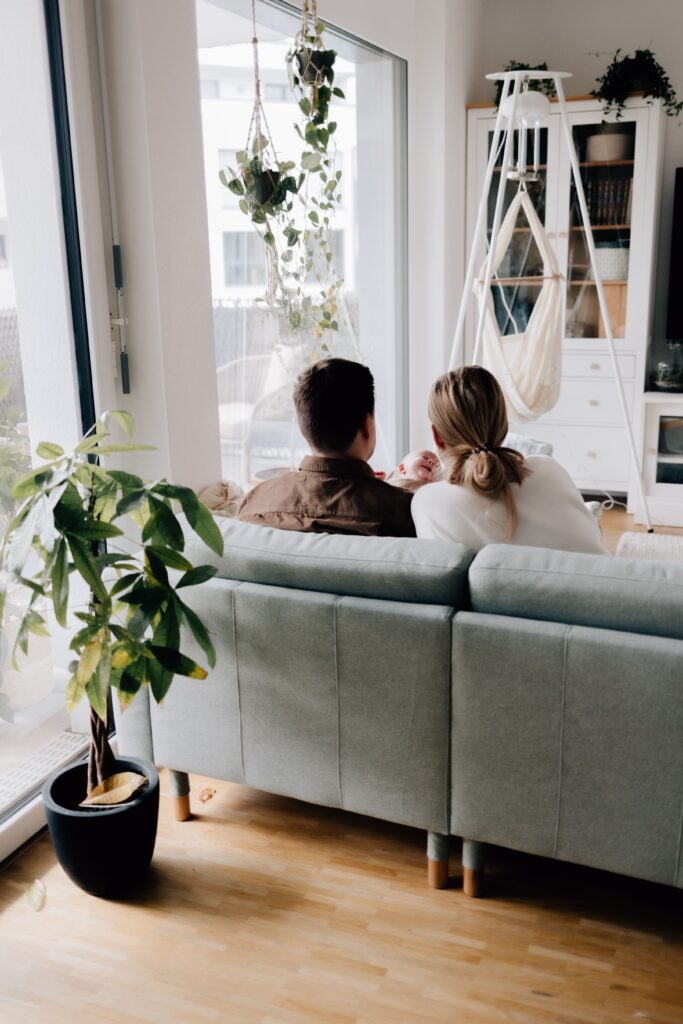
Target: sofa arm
(134, 727)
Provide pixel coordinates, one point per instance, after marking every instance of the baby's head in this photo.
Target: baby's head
(420, 465)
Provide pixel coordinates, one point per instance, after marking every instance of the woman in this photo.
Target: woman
(490, 494)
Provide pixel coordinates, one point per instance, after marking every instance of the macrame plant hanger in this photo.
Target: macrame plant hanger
(259, 140)
(513, 86)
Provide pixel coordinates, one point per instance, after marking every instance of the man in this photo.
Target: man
(334, 490)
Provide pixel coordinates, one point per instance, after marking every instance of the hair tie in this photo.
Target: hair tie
(480, 448)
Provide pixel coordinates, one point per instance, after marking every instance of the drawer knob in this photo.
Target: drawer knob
(592, 455)
(593, 401)
(595, 366)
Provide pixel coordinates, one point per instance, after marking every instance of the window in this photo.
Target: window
(276, 92)
(39, 391)
(257, 354)
(3, 251)
(243, 259)
(208, 88)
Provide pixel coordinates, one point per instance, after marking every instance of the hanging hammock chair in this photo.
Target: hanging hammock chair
(528, 363)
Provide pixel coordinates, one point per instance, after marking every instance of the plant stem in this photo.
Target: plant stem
(101, 761)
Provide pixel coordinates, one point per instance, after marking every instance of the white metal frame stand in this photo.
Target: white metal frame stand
(515, 79)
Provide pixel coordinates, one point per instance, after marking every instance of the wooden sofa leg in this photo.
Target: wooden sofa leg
(437, 860)
(473, 867)
(180, 791)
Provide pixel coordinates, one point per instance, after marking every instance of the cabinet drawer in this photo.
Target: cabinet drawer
(586, 402)
(586, 364)
(597, 455)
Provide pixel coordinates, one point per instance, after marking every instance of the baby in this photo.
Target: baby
(416, 468)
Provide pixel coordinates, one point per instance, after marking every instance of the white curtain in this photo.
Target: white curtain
(526, 364)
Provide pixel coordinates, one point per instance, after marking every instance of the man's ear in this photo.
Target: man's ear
(438, 440)
(366, 425)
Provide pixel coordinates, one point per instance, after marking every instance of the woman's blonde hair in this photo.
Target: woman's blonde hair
(467, 409)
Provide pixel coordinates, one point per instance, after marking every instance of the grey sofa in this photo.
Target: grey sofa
(526, 698)
(567, 726)
(333, 677)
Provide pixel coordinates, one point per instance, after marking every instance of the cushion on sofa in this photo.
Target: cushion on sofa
(630, 595)
(389, 568)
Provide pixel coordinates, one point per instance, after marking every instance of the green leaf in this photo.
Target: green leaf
(87, 566)
(200, 633)
(60, 582)
(338, 92)
(313, 216)
(236, 186)
(178, 663)
(305, 105)
(310, 161)
(200, 574)
(97, 695)
(47, 450)
(127, 581)
(243, 206)
(124, 420)
(202, 522)
(163, 527)
(131, 500)
(173, 559)
(127, 480)
(109, 449)
(332, 127)
(155, 567)
(31, 483)
(269, 238)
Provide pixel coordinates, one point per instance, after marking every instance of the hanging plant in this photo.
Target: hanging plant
(540, 85)
(639, 73)
(292, 205)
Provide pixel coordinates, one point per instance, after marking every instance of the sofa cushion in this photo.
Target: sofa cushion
(630, 595)
(389, 568)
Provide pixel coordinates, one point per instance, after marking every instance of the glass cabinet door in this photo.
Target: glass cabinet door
(519, 278)
(606, 159)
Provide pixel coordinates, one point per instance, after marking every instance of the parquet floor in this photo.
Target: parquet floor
(271, 911)
(264, 910)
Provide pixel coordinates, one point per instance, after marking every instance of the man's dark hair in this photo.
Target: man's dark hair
(332, 399)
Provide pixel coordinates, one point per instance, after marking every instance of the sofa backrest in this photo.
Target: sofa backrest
(631, 595)
(386, 568)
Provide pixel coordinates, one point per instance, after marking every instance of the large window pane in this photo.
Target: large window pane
(257, 354)
(38, 388)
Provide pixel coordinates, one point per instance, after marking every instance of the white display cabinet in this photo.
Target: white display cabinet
(662, 459)
(621, 173)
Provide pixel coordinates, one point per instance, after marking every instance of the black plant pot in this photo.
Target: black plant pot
(263, 186)
(105, 851)
(312, 64)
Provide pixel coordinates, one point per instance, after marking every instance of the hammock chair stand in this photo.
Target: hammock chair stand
(513, 82)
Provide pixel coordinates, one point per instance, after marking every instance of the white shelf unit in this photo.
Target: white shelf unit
(586, 426)
(662, 459)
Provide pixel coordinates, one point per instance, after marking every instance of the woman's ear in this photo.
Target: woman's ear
(438, 440)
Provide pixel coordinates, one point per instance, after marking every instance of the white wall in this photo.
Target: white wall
(567, 35)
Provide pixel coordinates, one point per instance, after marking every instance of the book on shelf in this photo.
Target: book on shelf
(608, 202)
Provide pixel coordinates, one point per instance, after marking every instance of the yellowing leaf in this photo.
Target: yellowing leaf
(90, 657)
(116, 789)
(74, 693)
(206, 794)
(35, 895)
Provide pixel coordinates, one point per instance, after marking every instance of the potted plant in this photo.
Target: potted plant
(102, 814)
(263, 185)
(639, 73)
(539, 85)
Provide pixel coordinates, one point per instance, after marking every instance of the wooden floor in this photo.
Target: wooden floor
(616, 521)
(264, 910)
(267, 910)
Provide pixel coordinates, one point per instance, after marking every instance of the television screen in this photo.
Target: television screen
(674, 319)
